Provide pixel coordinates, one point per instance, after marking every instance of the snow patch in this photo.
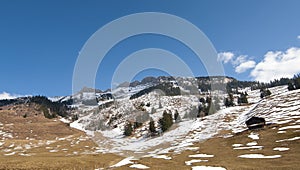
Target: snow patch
(201, 156)
(139, 166)
(207, 168)
(290, 139)
(290, 127)
(248, 147)
(189, 163)
(237, 145)
(253, 136)
(162, 157)
(259, 156)
(64, 120)
(9, 154)
(281, 149)
(251, 143)
(123, 162)
(54, 150)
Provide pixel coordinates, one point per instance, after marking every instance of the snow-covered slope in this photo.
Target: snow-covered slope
(280, 107)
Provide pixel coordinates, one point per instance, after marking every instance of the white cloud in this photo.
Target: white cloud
(5, 95)
(239, 60)
(225, 57)
(240, 63)
(244, 66)
(277, 64)
(298, 36)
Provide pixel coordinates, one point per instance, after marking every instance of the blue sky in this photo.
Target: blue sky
(40, 40)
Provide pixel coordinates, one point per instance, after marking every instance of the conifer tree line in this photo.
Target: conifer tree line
(50, 109)
(229, 101)
(164, 123)
(294, 83)
(167, 88)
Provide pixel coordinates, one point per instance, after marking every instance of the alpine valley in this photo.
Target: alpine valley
(156, 123)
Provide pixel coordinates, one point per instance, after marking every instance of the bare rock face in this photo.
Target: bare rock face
(255, 122)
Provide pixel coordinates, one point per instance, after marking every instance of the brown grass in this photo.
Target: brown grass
(224, 154)
(35, 129)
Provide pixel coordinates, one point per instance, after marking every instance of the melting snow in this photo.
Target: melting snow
(189, 131)
(259, 156)
(189, 163)
(123, 162)
(253, 136)
(291, 139)
(237, 145)
(139, 166)
(251, 143)
(9, 154)
(281, 149)
(290, 127)
(201, 156)
(19, 147)
(162, 157)
(207, 168)
(54, 150)
(192, 148)
(249, 147)
(1, 143)
(24, 154)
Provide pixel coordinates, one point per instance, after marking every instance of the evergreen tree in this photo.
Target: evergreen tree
(137, 125)
(242, 99)
(152, 126)
(264, 92)
(291, 86)
(268, 92)
(74, 117)
(128, 129)
(177, 116)
(166, 121)
(229, 100)
(202, 100)
(208, 100)
(226, 102)
(297, 81)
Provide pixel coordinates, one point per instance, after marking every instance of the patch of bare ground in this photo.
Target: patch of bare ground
(35, 142)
